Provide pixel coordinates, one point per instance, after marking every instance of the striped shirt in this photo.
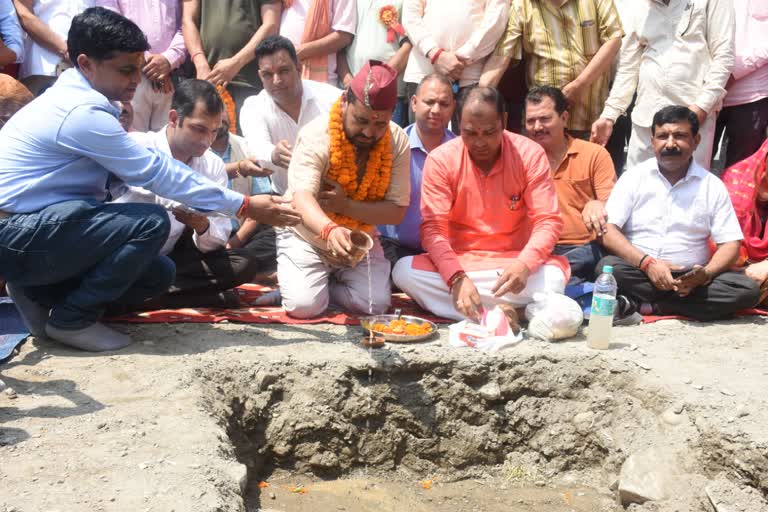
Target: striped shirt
(558, 43)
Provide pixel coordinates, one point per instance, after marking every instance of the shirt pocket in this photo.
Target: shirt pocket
(694, 18)
(580, 192)
(590, 37)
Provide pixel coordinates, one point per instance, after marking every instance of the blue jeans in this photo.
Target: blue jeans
(77, 257)
(582, 258)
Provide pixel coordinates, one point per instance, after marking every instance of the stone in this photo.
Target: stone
(10, 393)
(490, 391)
(670, 417)
(325, 460)
(645, 476)
(238, 473)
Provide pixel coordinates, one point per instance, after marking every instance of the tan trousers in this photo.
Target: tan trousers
(308, 284)
(640, 148)
(150, 107)
(431, 292)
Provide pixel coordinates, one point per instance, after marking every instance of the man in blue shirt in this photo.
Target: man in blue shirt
(65, 253)
(433, 105)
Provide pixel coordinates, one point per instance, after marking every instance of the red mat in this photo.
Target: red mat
(650, 319)
(263, 315)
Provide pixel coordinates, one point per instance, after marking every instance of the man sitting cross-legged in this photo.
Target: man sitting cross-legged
(662, 215)
(583, 174)
(204, 269)
(490, 218)
(66, 254)
(356, 161)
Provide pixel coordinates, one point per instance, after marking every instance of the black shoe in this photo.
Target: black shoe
(627, 311)
(625, 306)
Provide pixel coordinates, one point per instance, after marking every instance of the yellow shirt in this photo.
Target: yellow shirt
(558, 43)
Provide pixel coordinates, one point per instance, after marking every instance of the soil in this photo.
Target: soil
(192, 417)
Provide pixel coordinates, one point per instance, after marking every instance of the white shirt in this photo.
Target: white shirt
(470, 28)
(370, 41)
(264, 124)
(679, 54)
(57, 14)
(750, 67)
(343, 19)
(210, 166)
(673, 223)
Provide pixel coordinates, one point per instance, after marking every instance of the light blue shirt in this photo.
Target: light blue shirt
(407, 232)
(10, 29)
(65, 144)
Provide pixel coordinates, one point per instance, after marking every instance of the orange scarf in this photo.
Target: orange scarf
(316, 26)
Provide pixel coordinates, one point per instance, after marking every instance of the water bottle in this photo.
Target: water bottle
(603, 306)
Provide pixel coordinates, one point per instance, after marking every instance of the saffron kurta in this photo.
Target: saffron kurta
(473, 221)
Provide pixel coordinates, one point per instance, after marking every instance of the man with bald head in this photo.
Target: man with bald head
(490, 218)
(13, 96)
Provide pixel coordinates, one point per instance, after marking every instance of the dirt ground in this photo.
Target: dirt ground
(192, 417)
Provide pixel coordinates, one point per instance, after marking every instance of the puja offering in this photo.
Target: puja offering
(399, 328)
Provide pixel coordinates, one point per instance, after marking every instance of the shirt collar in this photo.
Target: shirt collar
(74, 78)
(415, 140)
(573, 148)
(694, 170)
(161, 142)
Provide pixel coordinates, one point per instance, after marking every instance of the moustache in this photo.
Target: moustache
(671, 152)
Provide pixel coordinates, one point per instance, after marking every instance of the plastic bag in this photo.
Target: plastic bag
(491, 335)
(553, 316)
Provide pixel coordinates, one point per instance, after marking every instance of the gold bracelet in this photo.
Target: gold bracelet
(237, 170)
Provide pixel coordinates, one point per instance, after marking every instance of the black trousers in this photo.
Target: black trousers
(726, 294)
(745, 126)
(202, 276)
(262, 248)
(394, 251)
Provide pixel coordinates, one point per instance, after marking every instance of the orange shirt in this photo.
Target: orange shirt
(473, 220)
(586, 174)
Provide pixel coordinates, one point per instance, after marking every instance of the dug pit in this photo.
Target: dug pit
(433, 434)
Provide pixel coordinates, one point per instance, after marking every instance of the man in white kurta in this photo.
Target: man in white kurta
(204, 269)
(675, 52)
(271, 122)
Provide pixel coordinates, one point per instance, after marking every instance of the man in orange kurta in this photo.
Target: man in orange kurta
(491, 219)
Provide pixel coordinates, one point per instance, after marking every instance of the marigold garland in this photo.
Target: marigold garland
(229, 106)
(343, 168)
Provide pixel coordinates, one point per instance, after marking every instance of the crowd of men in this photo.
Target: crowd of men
(158, 153)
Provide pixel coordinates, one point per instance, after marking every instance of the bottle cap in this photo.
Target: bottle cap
(607, 269)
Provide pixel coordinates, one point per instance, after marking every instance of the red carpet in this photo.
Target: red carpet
(649, 319)
(275, 315)
(263, 315)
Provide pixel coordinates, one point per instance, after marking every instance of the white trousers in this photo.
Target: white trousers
(640, 148)
(431, 292)
(308, 284)
(150, 107)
